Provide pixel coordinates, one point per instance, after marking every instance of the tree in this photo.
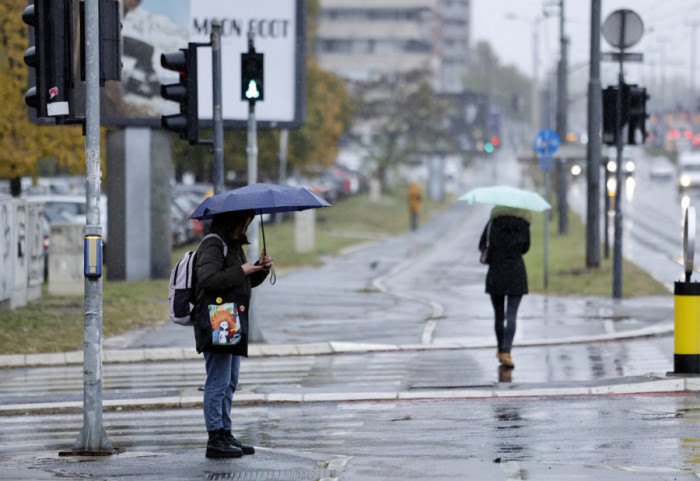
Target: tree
(25, 144)
(502, 85)
(406, 117)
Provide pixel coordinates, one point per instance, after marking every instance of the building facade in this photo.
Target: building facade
(367, 39)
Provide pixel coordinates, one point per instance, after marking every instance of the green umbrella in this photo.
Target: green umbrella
(507, 196)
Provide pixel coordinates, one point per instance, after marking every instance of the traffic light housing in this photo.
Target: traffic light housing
(110, 27)
(186, 123)
(252, 77)
(637, 114)
(51, 56)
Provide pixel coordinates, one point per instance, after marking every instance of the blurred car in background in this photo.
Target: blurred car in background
(661, 169)
(73, 208)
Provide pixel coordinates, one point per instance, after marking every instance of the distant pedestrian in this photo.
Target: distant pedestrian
(216, 272)
(415, 203)
(506, 238)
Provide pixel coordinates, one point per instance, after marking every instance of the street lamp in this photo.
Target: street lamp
(535, 25)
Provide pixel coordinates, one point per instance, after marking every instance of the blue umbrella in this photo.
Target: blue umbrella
(262, 199)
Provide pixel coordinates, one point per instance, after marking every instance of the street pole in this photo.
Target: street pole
(547, 190)
(284, 144)
(218, 141)
(595, 116)
(562, 111)
(617, 243)
(253, 230)
(92, 439)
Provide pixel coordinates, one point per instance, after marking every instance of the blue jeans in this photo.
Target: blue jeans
(222, 380)
(505, 319)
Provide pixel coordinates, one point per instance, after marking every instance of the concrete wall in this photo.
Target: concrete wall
(139, 167)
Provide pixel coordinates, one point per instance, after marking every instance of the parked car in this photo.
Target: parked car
(72, 208)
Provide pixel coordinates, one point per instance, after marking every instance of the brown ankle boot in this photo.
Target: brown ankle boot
(506, 359)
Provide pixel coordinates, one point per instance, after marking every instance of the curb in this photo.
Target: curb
(110, 356)
(651, 384)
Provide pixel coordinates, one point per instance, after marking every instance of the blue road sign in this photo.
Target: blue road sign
(546, 142)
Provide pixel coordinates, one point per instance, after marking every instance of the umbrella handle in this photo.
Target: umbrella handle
(262, 228)
(273, 274)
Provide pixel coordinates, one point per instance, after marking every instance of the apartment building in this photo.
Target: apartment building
(366, 39)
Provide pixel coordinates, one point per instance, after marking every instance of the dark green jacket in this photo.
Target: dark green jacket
(214, 273)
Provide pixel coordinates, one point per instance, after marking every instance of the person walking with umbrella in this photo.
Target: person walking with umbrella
(506, 237)
(224, 268)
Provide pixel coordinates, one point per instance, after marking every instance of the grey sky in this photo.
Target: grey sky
(665, 44)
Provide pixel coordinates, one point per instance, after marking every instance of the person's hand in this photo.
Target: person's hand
(265, 260)
(249, 268)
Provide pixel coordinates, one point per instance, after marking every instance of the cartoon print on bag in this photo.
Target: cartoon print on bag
(225, 324)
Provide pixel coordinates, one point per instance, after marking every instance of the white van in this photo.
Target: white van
(688, 170)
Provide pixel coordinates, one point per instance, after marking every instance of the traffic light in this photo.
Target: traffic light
(610, 115)
(252, 85)
(637, 114)
(186, 123)
(51, 55)
(110, 27)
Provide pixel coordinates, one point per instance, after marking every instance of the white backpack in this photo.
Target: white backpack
(181, 287)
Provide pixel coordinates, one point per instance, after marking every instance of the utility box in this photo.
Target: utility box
(7, 271)
(35, 250)
(66, 260)
(305, 231)
(19, 254)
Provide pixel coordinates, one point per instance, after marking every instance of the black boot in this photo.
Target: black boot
(218, 447)
(231, 439)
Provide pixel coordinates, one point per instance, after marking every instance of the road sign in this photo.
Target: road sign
(625, 57)
(623, 28)
(547, 142)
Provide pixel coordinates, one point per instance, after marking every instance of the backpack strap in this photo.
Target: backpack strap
(218, 237)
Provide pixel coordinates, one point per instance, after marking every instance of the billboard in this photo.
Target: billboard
(153, 27)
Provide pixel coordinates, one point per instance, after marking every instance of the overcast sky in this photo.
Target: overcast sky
(666, 41)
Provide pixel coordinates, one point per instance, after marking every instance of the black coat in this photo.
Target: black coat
(509, 239)
(213, 272)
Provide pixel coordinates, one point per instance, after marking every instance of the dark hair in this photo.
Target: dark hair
(229, 220)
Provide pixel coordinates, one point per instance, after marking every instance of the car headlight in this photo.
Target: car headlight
(629, 166)
(685, 180)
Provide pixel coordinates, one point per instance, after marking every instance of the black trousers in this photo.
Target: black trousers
(505, 317)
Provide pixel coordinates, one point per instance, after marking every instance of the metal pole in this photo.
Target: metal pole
(617, 244)
(253, 237)
(93, 438)
(562, 112)
(547, 190)
(535, 74)
(284, 144)
(595, 115)
(218, 147)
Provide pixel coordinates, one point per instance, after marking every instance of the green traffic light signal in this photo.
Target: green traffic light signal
(252, 93)
(252, 75)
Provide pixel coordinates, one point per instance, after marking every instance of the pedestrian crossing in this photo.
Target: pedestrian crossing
(373, 372)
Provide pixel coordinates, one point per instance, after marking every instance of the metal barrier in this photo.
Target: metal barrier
(686, 352)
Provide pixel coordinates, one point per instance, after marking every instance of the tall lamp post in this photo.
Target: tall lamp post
(535, 25)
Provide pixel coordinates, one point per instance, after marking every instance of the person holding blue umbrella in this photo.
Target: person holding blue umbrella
(505, 239)
(221, 265)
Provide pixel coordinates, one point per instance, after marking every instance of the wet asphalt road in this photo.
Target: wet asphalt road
(424, 289)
